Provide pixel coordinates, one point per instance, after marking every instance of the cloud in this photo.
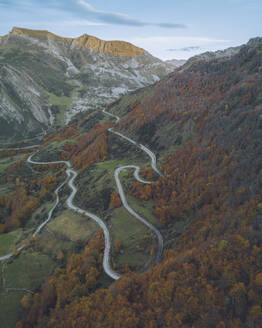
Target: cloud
(68, 23)
(185, 49)
(121, 19)
(83, 22)
(169, 25)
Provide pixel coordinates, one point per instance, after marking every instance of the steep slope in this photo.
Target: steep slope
(208, 118)
(205, 56)
(70, 76)
(209, 55)
(19, 95)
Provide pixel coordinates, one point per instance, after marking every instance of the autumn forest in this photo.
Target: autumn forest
(204, 123)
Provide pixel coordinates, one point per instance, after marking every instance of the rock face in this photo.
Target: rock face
(66, 76)
(21, 103)
(116, 48)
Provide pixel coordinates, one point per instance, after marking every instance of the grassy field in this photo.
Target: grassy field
(73, 226)
(9, 240)
(144, 208)
(59, 101)
(6, 162)
(67, 233)
(136, 240)
(108, 168)
(10, 308)
(28, 271)
(62, 102)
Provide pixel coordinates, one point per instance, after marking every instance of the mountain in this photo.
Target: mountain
(46, 79)
(176, 62)
(205, 125)
(205, 56)
(211, 55)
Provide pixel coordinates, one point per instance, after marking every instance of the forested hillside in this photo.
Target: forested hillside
(205, 123)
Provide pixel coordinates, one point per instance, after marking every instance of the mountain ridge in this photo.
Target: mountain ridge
(114, 47)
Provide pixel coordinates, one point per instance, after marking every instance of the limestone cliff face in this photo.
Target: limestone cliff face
(21, 104)
(116, 48)
(37, 34)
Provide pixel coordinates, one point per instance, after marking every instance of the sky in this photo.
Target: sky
(168, 29)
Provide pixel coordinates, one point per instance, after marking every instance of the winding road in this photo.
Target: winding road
(106, 259)
(136, 175)
(132, 212)
(142, 147)
(112, 115)
(72, 175)
(21, 148)
(50, 213)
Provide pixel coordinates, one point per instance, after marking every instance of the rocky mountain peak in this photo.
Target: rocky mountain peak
(18, 31)
(116, 48)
